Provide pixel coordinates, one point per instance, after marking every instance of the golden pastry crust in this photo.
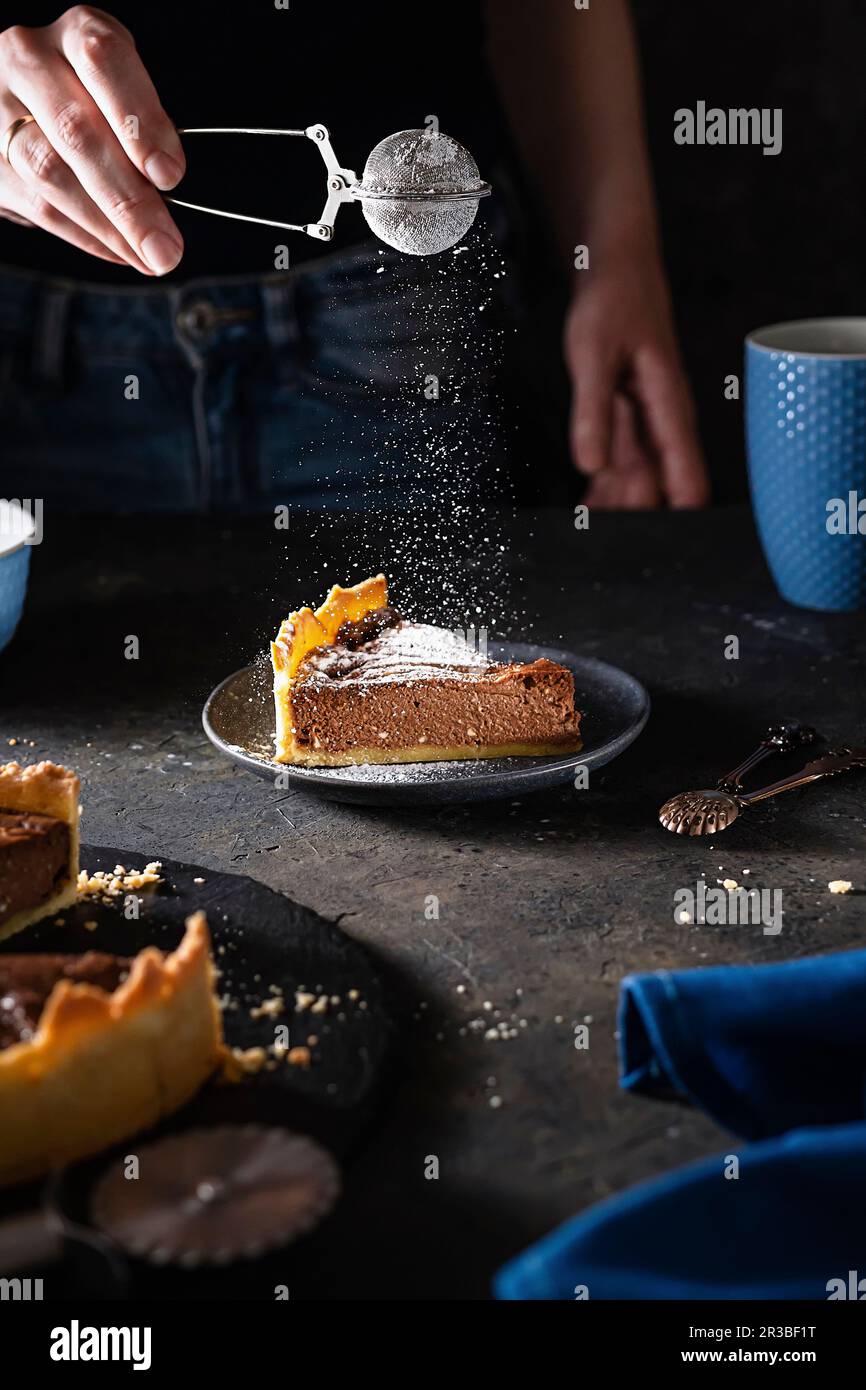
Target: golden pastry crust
(49, 790)
(102, 1066)
(304, 631)
(309, 757)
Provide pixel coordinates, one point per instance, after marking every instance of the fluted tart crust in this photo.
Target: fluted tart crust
(103, 1064)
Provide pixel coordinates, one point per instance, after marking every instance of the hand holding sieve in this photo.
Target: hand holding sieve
(419, 192)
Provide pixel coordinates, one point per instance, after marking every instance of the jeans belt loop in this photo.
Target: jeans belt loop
(280, 312)
(49, 337)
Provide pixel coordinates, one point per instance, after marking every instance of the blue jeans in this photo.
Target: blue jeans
(343, 384)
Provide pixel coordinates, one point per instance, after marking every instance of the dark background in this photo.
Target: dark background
(751, 239)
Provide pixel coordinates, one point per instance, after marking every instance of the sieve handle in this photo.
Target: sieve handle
(339, 185)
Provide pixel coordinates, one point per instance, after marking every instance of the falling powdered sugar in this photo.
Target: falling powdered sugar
(430, 432)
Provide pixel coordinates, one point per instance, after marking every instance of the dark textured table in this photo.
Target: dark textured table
(543, 904)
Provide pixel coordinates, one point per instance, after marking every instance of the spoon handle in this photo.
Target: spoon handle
(834, 762)
(780, 738)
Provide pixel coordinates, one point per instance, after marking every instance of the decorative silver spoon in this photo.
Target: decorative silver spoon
(708, 812)
(678, 813)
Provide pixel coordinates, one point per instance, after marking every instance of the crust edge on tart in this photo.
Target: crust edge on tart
(50, 790)
(302, 632)
(424, 753)
(102, 1066)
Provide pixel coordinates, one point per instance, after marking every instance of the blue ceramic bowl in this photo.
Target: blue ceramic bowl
(15, 528)
(806, 434)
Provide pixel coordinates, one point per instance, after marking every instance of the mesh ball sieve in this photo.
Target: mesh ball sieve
(420, 191)
(419, 194)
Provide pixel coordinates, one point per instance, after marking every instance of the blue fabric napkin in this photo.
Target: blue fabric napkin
(763, 1050)
(793, 1221)
(760, 1048)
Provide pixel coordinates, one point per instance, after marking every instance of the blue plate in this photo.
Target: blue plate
(238, 719)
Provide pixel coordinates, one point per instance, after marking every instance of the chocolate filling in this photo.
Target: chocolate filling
(366, 629)
(416, 685)
(27, 981)
(34, 859)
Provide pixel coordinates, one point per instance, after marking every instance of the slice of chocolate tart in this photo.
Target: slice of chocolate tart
(38, 843)
(356, 683)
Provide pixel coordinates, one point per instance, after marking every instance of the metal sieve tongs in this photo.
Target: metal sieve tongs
(419, 193)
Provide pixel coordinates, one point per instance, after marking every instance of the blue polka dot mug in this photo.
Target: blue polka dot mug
(806, 434)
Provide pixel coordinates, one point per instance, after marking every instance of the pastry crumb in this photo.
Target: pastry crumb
(239, 1062)
(269, 1008)
(111, 886)
(840, 885)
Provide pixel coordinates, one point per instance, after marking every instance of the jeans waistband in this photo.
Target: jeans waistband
(49, 320)
(196, 317)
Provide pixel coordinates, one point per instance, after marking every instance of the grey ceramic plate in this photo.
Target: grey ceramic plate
(238, 719)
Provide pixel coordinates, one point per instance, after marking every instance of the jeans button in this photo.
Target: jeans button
(196, 320)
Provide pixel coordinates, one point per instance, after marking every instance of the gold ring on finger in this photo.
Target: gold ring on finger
(11, 132)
